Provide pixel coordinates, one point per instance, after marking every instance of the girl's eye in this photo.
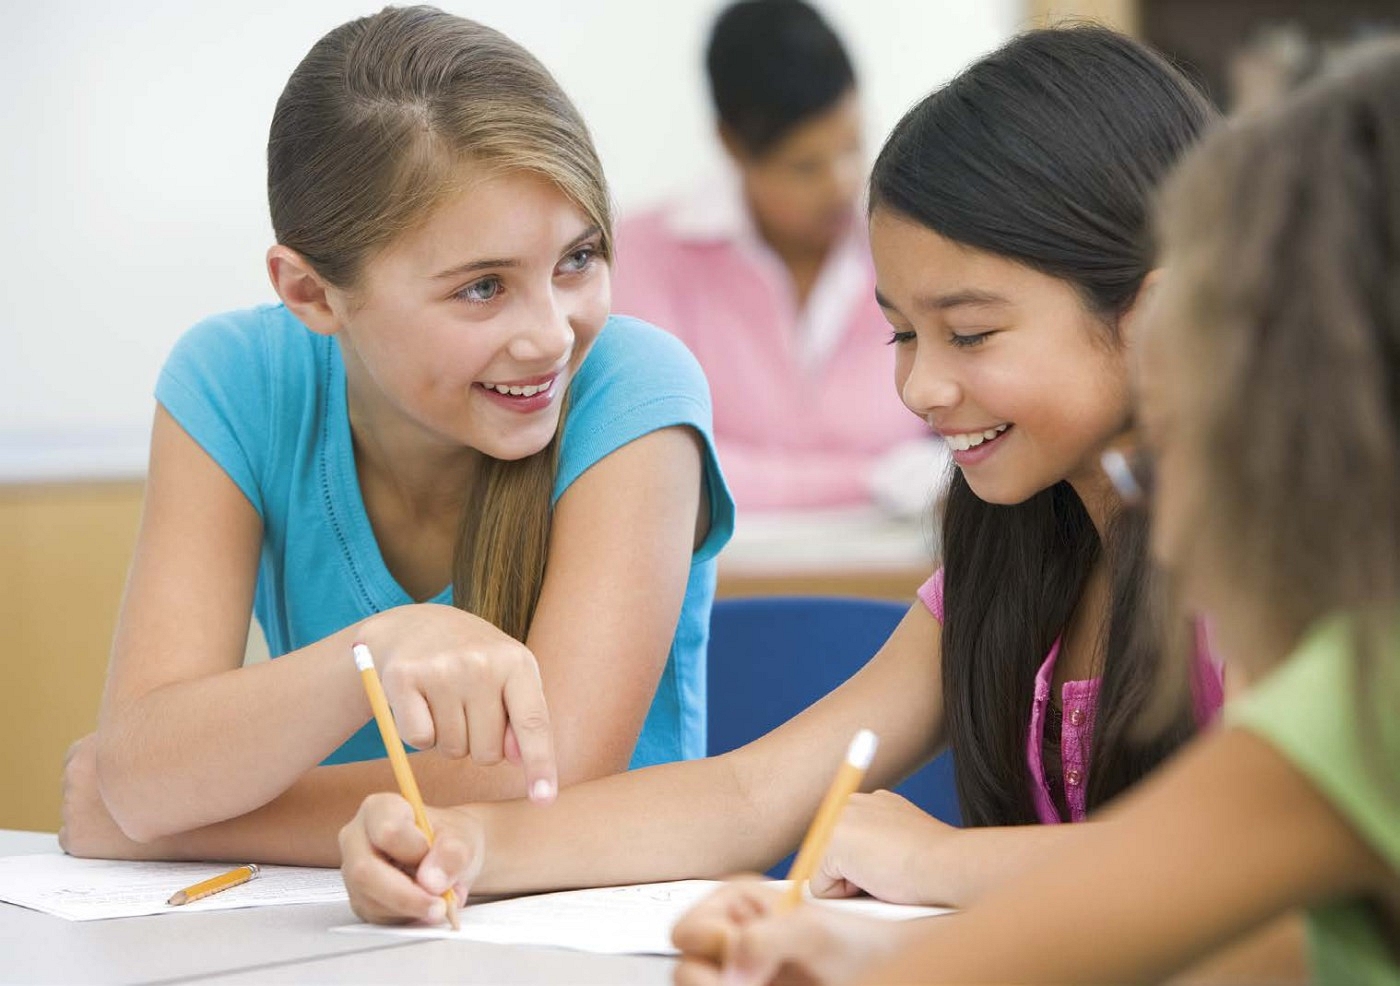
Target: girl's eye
(579, 260)
(482, 291)
(898, 337)
(968, 340)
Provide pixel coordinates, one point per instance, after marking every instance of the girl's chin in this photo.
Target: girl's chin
(514, 448)
(998, 494)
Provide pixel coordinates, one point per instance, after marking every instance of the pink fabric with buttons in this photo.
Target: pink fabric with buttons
(1078, 701)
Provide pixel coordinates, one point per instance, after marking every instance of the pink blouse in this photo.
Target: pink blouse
(804, 398)
(1079, 700)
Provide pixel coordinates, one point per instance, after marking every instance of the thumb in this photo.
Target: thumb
(756, 952)
(451, 863)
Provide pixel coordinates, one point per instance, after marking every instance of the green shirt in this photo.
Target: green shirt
(1308, 710)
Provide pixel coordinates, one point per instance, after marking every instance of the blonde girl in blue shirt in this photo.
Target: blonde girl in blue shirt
(440, 445)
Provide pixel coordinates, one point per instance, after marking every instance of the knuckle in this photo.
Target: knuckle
(476, 664)
(531, 721)
(525, 659)
(488, 756)
(378, 803)
(356, 871)
(380, 826)
(396, 678)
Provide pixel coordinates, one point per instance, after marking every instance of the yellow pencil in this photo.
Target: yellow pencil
(403, 773)
(214, 884)
(843, 785)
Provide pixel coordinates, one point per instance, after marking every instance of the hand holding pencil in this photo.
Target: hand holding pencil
(403, 773)
(751, 933)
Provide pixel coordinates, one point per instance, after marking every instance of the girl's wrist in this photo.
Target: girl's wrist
(942, 868)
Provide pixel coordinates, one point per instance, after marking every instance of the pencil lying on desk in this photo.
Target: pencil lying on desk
(843, 785)
(403, 773)
(214, 884)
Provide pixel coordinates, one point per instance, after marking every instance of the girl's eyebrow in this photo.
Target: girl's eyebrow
(945, 302)
(472, 266)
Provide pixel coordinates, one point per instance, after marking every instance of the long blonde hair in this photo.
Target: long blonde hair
(369, 135)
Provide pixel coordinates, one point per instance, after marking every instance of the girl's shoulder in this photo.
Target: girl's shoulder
(263, 338)
(633, 362)
(635, 380)
(241, 382)
(1337, 724)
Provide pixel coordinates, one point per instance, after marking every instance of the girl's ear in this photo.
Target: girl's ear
(303, 290)
(1129, 323)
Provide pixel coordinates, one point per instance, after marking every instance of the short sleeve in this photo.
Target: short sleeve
(931, 595)
(638, 379)
(1311, 711)
(215, 385)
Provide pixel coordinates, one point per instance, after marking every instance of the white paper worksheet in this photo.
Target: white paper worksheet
(633, 920)
(92, 889)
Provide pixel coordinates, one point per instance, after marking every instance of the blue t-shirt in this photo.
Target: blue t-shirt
(265, 397)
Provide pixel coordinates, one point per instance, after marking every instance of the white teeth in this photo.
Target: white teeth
(529, 391)
(967, 440)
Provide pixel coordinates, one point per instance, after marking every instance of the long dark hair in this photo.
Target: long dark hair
(1046, 152)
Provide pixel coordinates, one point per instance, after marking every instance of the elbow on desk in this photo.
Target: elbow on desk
(123, 789)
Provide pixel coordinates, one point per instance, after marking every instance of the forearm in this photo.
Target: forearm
(1275, 955)
(684, 820)
(300, 825)
(195, 752)
(957, 871)
(1217, 844)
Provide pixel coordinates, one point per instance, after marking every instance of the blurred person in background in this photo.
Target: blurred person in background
(765, 273)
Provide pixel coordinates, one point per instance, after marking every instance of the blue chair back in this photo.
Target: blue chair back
(771, 657)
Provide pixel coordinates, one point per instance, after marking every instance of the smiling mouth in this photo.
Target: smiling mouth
(972, 439)
(538, 385)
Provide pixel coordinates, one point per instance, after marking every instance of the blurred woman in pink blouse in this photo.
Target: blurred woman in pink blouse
(765, 273)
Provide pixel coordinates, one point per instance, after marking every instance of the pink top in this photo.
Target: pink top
(1079, 700)
(804, 400)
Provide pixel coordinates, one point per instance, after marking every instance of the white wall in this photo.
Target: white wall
(132, 197)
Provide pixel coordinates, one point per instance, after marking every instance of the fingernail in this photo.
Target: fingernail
(542, 790)
(437, 912)
(432, 878)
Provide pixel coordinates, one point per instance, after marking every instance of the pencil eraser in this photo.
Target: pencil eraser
(862, 749)
(364, 660)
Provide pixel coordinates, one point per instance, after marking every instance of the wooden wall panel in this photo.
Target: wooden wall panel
(64, 552)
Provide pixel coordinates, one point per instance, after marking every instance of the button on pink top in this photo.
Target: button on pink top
(804, 398)
(1079, 700)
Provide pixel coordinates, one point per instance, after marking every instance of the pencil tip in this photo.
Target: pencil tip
(178, 897)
